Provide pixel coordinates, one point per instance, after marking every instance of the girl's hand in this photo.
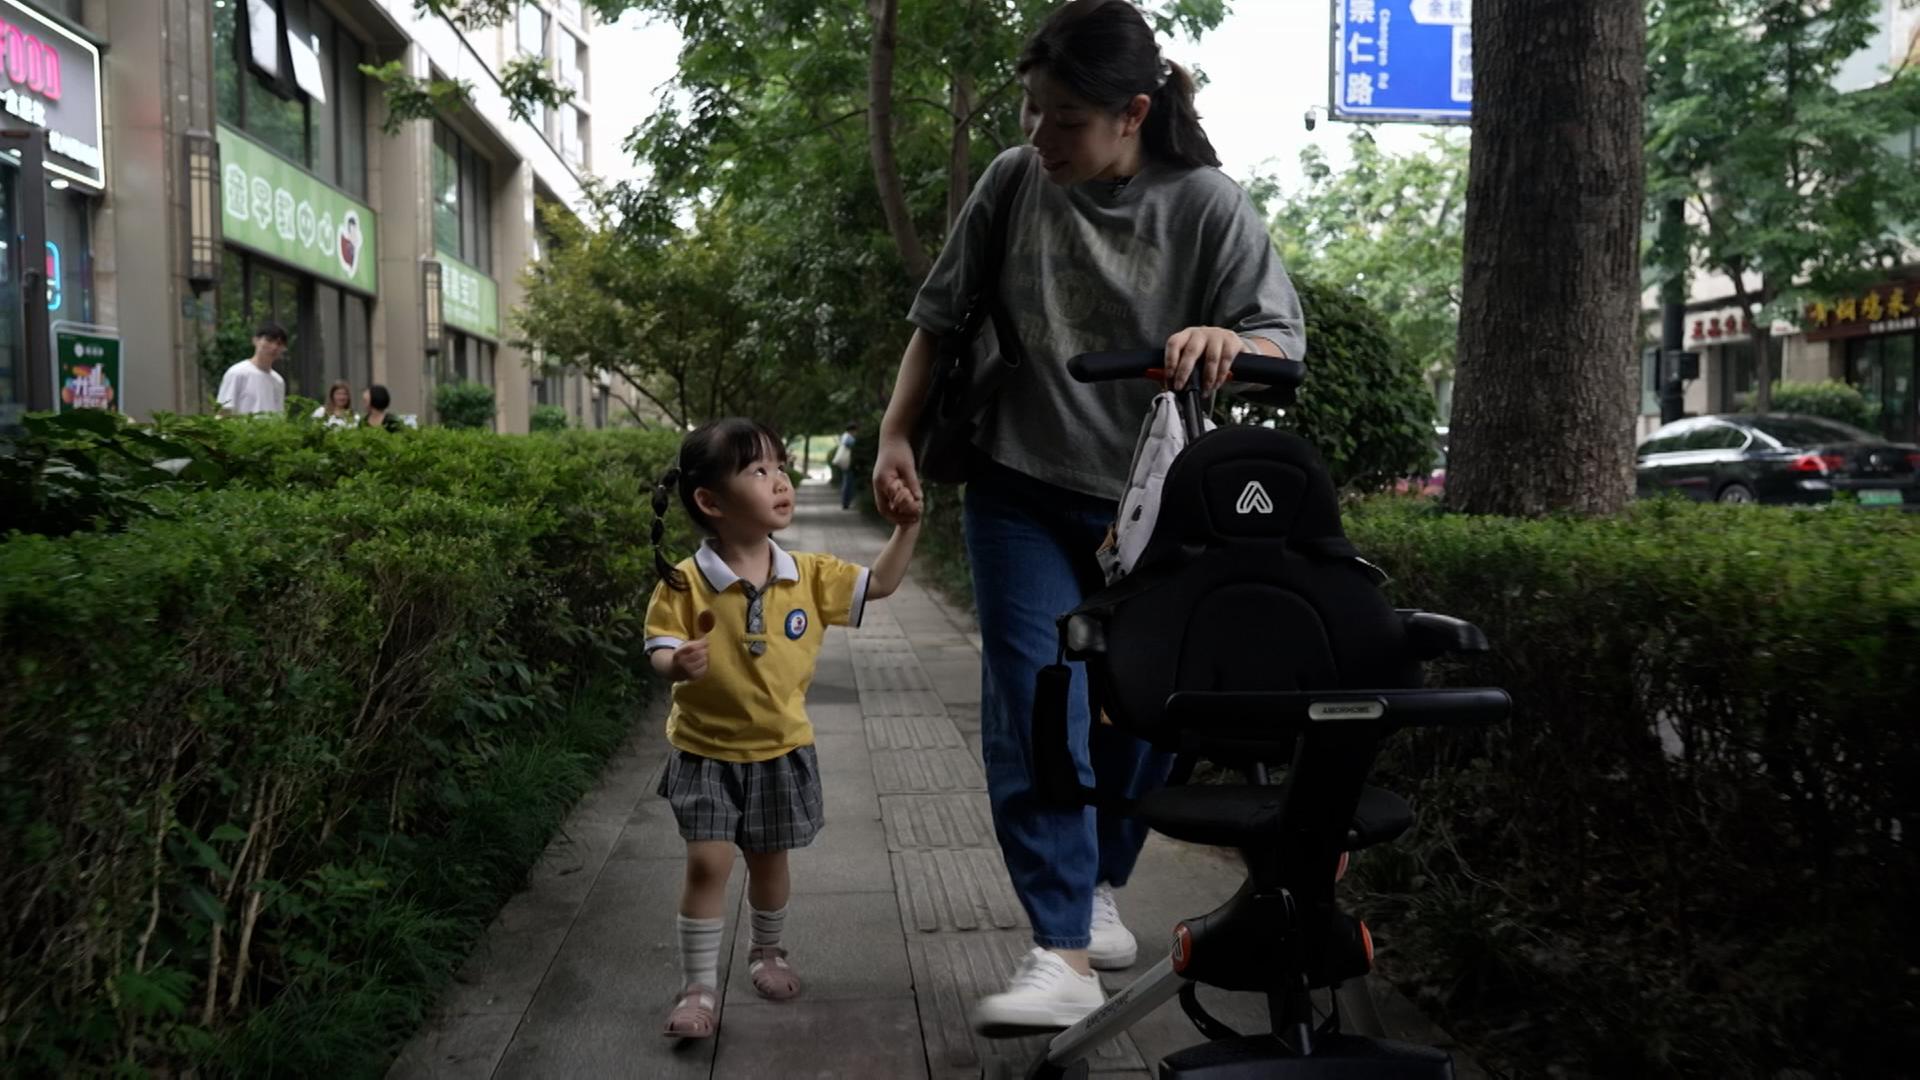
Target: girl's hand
(1210, 349)
(896, 483)
(689, 661)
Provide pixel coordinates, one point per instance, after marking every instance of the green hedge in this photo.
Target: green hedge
(467, 405)
(270, 760)
(1831, 399)
(1689, 852)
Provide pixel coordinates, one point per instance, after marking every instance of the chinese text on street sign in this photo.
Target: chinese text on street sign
(1403, 60)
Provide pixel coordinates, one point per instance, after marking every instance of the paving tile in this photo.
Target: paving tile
(902, 703)
(845, 946)
(598, 1011)
(870, 1040)
(849, 856)
(912, 733)
(906, 772)
(955, 890)
(924, 822)
(466, 1047)
(950, 973)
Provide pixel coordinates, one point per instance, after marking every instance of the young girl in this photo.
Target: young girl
(738, 628)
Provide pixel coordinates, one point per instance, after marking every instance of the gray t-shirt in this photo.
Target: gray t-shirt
(1089, 269)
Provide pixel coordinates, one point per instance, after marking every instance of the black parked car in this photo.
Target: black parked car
(1777, 458)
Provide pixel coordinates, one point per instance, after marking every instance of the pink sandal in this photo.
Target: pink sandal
(693, 1014)
(773, 978)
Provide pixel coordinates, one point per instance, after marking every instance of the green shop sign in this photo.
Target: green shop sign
(469, 299)
(277, 209)
(87, 367)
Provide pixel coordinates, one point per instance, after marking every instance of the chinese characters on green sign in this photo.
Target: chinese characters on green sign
(469, 299)
(275, 208)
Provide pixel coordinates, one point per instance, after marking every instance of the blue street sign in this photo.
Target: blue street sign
(1403, 60)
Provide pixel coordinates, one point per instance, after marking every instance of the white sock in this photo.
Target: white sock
(767, 926)
(700, 950)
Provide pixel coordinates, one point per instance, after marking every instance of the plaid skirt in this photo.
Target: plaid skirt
(772, 805)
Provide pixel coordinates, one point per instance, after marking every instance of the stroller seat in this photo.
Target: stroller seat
(1251, 815)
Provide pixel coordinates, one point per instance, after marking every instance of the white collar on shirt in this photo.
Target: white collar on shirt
(720, 577)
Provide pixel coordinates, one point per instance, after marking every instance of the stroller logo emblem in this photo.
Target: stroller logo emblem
(1253, 500)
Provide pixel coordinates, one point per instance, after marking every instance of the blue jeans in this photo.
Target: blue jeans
(1031, 547)
(846, 487)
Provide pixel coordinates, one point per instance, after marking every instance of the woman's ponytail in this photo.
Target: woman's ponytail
(1172, 132)
(662, 498)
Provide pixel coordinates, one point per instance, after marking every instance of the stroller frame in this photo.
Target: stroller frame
(1280, 934)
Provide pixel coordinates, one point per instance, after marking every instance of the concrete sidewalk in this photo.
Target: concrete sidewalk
(901, 915)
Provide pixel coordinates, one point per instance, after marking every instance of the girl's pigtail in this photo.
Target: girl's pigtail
(662, 497)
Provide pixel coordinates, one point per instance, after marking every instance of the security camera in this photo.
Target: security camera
(1309, 119)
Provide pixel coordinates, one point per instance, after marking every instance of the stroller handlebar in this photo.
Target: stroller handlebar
(1248, 367)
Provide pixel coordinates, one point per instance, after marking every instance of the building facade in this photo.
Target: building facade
(211, 163)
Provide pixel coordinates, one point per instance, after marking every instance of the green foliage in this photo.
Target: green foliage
(230, 342)
(526, 82)
(323, 719)
(548, 418)
(1829, 398)
(1785, 175)
(88, 469)
(466, 405)
(790, 277)
(694, 320)
(1364, 405)
(1387, 228)
(410, 98)
(1683, 855)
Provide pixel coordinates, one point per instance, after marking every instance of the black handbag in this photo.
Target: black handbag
(961, 386)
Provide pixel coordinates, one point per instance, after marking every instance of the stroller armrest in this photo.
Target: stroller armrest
(1430, 635)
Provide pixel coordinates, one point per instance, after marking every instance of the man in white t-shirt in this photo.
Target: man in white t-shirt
(252, 386)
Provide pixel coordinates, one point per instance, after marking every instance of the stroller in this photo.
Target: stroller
(1250, 632)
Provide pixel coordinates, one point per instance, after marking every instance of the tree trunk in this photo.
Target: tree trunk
(886, 170)
(1549, 345)
(959, 183)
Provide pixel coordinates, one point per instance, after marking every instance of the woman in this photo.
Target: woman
(1123, 232)
(338, 409)
(377, 399)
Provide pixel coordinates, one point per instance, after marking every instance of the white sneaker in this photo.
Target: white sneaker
(1045, 995)
(1113, 946)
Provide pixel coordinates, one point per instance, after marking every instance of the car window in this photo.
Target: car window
(1794, 431)
(1712, 437)
(1659, 444)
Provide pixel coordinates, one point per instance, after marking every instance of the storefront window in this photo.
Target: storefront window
(1882, 369)
(69, 276)
(329, 330)
(328, 138)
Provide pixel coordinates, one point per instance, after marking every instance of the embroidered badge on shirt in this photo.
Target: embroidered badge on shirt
(796, 624)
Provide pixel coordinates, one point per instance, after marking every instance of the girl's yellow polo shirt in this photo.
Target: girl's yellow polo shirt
(747, 707)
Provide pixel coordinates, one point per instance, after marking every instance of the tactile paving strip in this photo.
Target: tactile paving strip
(946, 889)
(877, 702)
(913, 733)
(929, 822)
(925, 772)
